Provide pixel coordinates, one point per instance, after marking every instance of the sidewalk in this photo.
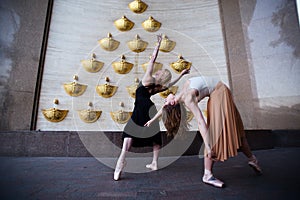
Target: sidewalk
(87, 178)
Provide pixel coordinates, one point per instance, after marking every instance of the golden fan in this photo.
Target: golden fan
(137, 45)
(123, 24)
(108, 43)
(151, 25)
(137, 6)
(180, 65)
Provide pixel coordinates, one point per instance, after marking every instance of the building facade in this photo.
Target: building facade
(253, 46)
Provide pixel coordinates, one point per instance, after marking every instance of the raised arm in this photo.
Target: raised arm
(147, 78)
(183, 72)
(158, 114)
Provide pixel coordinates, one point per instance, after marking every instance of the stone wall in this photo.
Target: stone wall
(85, 144)
(263, 45)
(22, 30)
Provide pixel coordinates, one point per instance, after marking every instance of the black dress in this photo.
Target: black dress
(144, 110)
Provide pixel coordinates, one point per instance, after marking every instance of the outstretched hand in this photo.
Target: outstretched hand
(159, 38)
(185, 71)
(148, 123)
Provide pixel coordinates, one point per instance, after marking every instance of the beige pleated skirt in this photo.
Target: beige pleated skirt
(225, 126)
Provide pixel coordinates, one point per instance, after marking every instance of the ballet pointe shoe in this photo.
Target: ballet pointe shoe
(120, 166)
(253, 163)
(152, 166)
(211, 180)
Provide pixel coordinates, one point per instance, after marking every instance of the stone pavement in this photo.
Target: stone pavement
(87, 178)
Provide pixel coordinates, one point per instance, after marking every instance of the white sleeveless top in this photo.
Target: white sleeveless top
(204, 85)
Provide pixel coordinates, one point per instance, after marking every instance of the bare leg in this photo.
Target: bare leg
(153, 165)
(121, 161)
(126, 147)
(208, 163)
(252, 161)
(245, 148)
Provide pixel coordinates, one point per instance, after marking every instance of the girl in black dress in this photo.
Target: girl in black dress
(135, 133)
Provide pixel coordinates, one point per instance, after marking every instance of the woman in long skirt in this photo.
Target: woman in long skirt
(223, 134)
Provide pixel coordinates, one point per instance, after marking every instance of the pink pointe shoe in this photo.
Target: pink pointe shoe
(211, 180)
(152, 166)
(254, 165)
(120, 166)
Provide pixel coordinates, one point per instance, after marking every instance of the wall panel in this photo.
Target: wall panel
(76, 27)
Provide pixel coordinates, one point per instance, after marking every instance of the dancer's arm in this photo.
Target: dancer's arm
(158, 114)
(147, 78)
(183, 72)
(192, 105)
(164, 88)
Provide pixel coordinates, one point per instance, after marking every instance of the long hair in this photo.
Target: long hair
(175, 119)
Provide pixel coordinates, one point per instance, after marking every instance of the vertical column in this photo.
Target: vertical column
(240, 76)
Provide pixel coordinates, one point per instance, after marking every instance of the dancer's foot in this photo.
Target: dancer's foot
(211, 180)
(152, 166)
(254, 164)
(120, 166)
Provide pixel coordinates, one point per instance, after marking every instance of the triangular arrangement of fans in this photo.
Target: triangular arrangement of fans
(123, 67)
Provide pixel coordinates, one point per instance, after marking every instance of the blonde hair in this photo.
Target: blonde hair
(165, 77)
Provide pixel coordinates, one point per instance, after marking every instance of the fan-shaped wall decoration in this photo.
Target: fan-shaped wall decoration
(122, 67)
(137, 45)
(137, 6)
(106, 90)
(157, 66)
(54, 114)
(189, 116)
(166, 44)
(171, 90)
(108, 43)
(180, 65)
(124, 24)
(121, 116)
(151, 25)
(92, 65)
(74, 88)
(89, 115)
(132, 89)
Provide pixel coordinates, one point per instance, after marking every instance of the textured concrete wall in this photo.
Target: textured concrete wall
(83, 144)
(262, 41)
(272, 40)
(22, 27)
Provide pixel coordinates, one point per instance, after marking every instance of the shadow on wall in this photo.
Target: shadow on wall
(274, 117)
(286, 20)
